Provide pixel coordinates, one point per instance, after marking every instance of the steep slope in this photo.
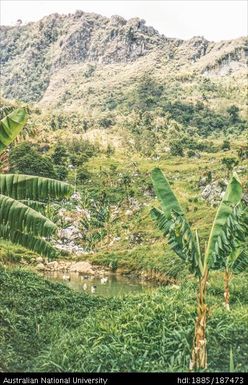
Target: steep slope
(32, 53)
(82, 58)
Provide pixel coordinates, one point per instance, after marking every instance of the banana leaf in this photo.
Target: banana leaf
(223, 224)
(11, 126)
(23, 187)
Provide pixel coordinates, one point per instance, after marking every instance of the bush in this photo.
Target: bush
(59, 155)
(62, 172)
(243, 153)
(226, 145)
(176, 148)
(83, 175)
(81, 151)
(25, 159)
(191, 154)
(105, 122)
(229, 163)
(233, 112)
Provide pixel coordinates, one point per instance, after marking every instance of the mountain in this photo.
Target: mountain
(85, 59)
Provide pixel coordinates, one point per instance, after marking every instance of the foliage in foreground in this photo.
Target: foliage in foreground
(11, 126)
(20, 222)
(227, 233)
(61, 330)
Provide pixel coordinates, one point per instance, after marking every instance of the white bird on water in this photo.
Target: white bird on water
(84, 277)
(104, 280)
(66, 278)
(93, 289)
(85, 286)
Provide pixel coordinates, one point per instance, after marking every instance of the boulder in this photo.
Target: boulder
(128, 212)
(76, 196)
(82, 267)
(214, 192)
(70, 233)
(203, 181)
(70, 248)
(40, 266)
(206, 192)
(52, 265)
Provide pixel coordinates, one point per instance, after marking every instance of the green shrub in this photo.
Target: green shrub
(59, 155)
(61, 172)
(233, 112)
(176, 148)
(191, 153)
(25, 159)
(226, 145)
(83, 175)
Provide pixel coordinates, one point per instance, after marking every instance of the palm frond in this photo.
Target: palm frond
(226, 228)
(20, 217)
(29, 241)
(174, 224)
(166, 196)
(24, 187)
(179, 237)
(240, 262)
(38, 206)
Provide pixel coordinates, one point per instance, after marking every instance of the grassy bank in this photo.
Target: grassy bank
(48, 327)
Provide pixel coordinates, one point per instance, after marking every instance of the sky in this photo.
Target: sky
(214, 19)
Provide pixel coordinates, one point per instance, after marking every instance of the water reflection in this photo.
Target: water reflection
(110, 285)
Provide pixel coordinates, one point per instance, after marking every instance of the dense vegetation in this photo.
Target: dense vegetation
(118, 194)
(21, 197)
(60, 330)
(102, 120)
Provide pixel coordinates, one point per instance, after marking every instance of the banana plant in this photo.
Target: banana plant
(236, 262)
(23, 196)
(11, 126)
(231, 243)
(227, 231)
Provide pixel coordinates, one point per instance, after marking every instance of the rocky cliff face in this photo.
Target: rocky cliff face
(32, 54)
(94, 38)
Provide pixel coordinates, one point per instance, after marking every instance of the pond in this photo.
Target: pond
(112, 285)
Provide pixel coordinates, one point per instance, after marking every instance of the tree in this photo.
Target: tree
(61, 172)
(233, 112)
(22, 197)
(25, 159)
(226, 232)
(60, 155)
(176, 148)
(147, 94)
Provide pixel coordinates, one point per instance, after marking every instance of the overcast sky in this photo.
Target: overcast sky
(216, 20)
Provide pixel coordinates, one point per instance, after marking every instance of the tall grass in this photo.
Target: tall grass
(47, 327)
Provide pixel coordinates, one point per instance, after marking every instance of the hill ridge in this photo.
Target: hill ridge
(33, 54)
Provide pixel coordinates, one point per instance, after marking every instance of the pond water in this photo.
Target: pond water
(116, 285)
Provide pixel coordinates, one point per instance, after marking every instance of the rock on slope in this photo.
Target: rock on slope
(33, 55)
